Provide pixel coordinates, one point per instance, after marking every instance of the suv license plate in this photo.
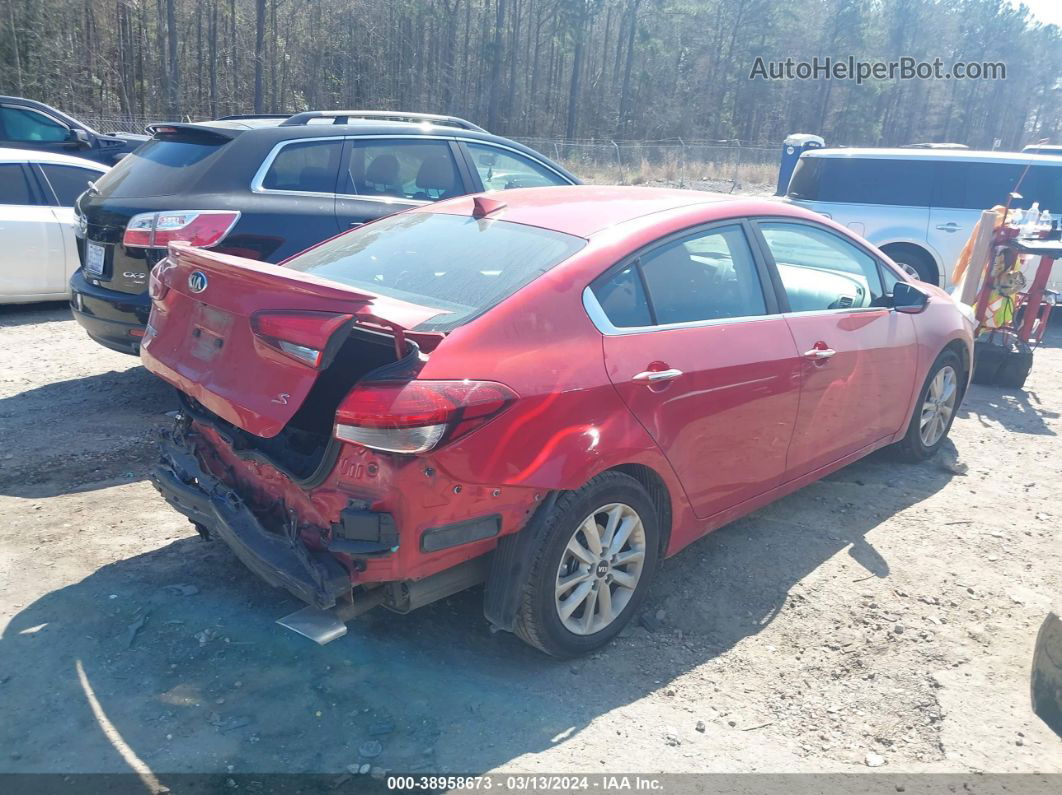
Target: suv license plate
(94, 257)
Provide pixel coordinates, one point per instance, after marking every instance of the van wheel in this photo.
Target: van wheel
(590, 574)
(935, 410)
(914, 258)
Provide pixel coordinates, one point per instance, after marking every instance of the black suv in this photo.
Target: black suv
(28, 124)
(267, 187)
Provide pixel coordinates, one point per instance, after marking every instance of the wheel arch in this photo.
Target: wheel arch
(658, 492)
(960, 349)
(918, 246)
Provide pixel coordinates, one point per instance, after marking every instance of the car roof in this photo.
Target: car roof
(13, 155)
(935, 154)
(586, 210)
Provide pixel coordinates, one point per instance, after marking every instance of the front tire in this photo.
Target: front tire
(935, 410)
(598, 554)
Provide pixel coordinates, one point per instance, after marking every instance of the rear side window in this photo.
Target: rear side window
(456, 263)
(979, 186)
(804, 184)
(308, 166)
(68, 182)
(29, 126)
(900, 183)
(500, 169)
(403, 169)
(162, 167)
(13, 186)
(821, 271)
(707, 276)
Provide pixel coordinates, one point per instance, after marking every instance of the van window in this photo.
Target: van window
(856, 180)
(968, 185)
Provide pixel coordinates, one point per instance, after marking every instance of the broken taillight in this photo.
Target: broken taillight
(302, 336)
(415, 416)
(198, 227)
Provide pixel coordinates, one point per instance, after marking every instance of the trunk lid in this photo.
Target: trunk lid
(200, 336)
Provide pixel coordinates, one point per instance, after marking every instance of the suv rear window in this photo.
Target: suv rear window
(162, 167)
(454, 262)
(900, 183)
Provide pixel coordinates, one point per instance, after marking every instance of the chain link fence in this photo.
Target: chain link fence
(727, 166)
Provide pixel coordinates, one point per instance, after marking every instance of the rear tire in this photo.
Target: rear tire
(938, 401)
(582, 590)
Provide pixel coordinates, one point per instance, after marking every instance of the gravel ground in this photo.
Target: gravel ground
(885, 615)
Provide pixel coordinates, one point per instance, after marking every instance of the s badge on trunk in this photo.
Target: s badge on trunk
(197, 282)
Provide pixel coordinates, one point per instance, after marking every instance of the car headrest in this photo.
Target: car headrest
(383, 170)
(436, 173)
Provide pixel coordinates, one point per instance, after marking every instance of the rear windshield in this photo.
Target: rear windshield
(458, 263)
(161, 167)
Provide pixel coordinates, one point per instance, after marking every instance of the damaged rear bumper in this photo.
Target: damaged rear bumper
(282, 560)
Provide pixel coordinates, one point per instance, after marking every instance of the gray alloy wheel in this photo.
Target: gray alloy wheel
(600, 569)
(938, 406)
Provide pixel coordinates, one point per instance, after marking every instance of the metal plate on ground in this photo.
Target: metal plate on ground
(320, 626)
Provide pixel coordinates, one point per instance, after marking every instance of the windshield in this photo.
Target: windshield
(461, 264)
(161, 167)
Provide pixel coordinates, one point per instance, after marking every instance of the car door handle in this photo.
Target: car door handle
(655, 376)
(952, 227)
(820, 353)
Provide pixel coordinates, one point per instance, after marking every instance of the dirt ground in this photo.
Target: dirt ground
(889, 610)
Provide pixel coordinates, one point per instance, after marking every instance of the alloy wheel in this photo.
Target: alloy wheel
(600, 569)
(938, 406)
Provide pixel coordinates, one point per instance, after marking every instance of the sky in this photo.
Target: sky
(1047, 11)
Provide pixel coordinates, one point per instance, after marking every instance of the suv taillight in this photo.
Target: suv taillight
(415, 416)
(198, 227)
(302, 336)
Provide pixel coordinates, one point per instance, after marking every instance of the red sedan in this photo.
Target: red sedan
(548, 390)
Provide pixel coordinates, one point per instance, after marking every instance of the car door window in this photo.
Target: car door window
(499, 169)
(402, 169)
(305, 166)
(821, 271)
(28, 126)
(707, 276)
(68, 182)
(13, 186)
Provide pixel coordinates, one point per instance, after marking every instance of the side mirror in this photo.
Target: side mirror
(80, 139)
(908, 299)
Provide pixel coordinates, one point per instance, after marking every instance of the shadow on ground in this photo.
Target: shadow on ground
(12, 315)
(198, 677)
(1016, 410)
(69, 436)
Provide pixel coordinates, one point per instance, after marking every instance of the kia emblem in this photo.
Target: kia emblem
(197, 282)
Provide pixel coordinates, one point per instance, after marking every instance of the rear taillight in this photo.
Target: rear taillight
(415, 416)
(302, 336)
(197, 227)
(156, 289)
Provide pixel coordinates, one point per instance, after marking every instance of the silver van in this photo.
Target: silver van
(920, 205)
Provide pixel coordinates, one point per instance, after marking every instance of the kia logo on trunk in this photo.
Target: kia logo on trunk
(197, 282)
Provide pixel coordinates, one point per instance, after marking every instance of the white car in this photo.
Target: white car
(38, 247)
(919, 206)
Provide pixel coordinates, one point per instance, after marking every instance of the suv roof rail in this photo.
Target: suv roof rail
(242, 116)
(343, 117)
